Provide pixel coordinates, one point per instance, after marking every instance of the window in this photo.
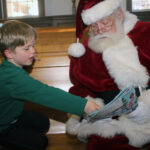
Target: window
(140, 7)
(17, 8)
(21, 8)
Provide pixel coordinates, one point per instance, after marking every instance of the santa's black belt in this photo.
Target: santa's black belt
(107, 96)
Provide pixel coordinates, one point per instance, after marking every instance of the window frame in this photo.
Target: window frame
(3, 10)
(142, 15)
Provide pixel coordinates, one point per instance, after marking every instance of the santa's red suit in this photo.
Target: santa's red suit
(113, 69)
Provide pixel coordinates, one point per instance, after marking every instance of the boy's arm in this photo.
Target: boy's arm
(24, 87)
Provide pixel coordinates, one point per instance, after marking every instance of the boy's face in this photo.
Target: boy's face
(22, 55)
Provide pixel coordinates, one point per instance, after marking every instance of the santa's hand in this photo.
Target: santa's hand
(141, 114)
(91, 106)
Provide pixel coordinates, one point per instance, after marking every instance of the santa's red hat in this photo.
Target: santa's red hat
(88, 12)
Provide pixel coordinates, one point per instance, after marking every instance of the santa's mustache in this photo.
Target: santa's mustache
(101, 36)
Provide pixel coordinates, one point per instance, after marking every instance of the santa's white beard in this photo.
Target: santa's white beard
(101, 42)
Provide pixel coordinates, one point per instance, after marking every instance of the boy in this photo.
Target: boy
(22, 129)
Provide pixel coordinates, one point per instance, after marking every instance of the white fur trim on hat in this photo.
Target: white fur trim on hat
(76, 50)
(99, 11)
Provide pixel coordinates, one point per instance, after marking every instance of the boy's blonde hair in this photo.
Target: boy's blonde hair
(14, 33)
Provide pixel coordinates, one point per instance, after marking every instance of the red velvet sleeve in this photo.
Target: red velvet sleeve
(78, 88)
(140, 36)
(89, 74)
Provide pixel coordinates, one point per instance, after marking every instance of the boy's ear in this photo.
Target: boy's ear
(7, 53)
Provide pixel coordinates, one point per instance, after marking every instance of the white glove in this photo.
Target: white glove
(141, 114)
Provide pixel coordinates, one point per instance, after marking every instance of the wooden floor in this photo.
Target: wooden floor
(64, 142)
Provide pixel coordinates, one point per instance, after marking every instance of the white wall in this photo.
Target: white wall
(58, 7)
(124, 4)
(63, 7)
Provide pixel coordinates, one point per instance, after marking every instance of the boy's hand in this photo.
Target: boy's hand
(91, 106)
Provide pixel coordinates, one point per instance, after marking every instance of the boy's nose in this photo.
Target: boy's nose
(32, 50)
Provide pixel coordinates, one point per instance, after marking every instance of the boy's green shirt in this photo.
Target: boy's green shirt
(16, 86)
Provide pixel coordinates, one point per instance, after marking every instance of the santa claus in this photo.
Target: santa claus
(114, 56)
